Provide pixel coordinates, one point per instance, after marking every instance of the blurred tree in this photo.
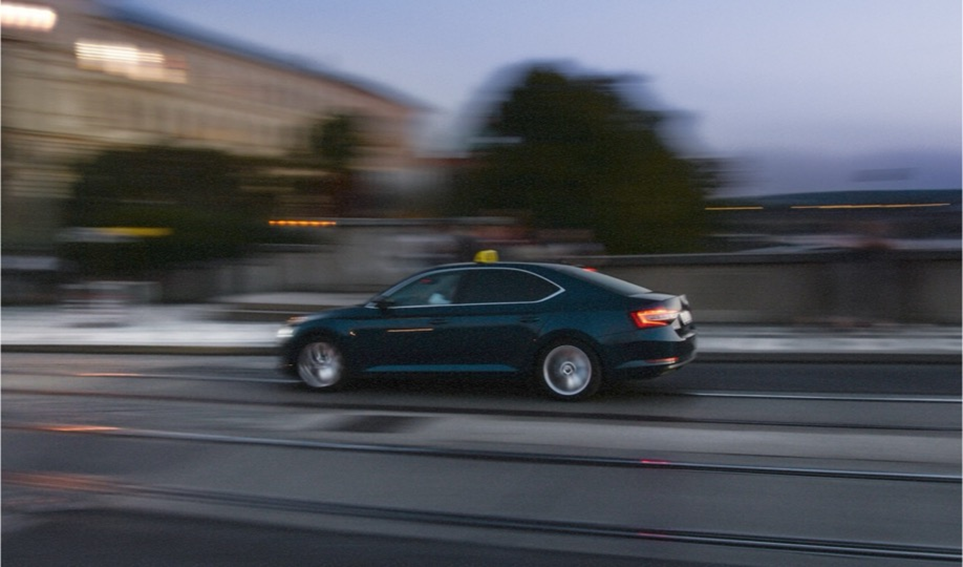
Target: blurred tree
(191, 198)
(572, 153)
(336, 145)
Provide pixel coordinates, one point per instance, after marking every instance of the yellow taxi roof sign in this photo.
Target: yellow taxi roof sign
(486, 256)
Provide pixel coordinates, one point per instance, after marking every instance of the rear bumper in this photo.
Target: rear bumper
(650, 358)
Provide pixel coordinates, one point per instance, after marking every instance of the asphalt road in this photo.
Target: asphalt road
(217, 460)
(107, 538)
(937, 379)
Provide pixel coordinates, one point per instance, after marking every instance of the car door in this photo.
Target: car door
(496, 318)
(406, 335)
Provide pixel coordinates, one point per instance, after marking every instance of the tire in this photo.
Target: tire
(320, 365)
(568, 370)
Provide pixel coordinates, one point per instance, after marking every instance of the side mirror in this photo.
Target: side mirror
(384, 303)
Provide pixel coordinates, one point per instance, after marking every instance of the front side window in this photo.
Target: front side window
(431, 289)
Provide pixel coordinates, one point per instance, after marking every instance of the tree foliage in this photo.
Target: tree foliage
(192, 195)
(571, 152)
(336, 144)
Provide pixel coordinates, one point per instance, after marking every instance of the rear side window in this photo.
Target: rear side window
(491, 285)
(610, 283)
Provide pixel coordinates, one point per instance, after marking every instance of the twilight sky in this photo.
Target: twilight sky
(802, 95)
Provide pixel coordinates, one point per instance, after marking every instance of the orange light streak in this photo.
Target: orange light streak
(303, 223)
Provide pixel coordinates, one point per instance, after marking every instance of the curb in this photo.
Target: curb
(208, 350)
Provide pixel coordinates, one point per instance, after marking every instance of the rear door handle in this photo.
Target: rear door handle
(530, 319)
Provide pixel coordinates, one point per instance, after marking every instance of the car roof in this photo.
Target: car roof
(505, 264)
(582, 274)
(533, 266)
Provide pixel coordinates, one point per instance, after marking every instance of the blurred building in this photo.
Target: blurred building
(81, 76)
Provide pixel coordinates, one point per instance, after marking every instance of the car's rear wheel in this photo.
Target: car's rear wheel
(320, 365)
(569, 370)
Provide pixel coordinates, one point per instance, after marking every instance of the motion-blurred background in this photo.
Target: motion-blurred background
(176, 152)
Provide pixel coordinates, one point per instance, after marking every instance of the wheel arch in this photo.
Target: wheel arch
(307, 335)
(557, 335)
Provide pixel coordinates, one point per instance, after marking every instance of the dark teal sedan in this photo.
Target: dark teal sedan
(569, 329)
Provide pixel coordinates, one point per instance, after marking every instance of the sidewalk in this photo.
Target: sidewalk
(216, 329)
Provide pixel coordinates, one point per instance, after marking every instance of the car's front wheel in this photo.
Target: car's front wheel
(568, 370)
(320, 364)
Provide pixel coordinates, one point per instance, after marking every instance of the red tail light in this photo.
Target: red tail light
(658, 317)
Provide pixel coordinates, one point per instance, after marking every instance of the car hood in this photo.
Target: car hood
(333, 313)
